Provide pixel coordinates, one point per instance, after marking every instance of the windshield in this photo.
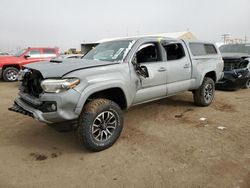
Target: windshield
(235, 48)
(114, 51)
(20, 52)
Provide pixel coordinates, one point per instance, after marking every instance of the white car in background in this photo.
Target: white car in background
(69, 56)
(4, 53)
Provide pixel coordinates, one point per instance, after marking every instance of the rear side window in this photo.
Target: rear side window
(201, 49)
(49, 51)
(210, 49)
(174, 51)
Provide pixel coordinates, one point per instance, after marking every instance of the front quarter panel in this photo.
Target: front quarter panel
(96, 79)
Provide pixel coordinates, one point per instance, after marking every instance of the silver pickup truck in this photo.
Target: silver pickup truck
(115, 75)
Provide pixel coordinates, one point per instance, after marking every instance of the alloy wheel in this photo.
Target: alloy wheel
(104, 126)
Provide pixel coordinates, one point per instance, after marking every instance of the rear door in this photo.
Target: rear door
(179, 67)
(49, 53)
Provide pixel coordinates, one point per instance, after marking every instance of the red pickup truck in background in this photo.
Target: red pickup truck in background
(10, 65)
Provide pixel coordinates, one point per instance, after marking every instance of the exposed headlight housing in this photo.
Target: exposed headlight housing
(59, 85)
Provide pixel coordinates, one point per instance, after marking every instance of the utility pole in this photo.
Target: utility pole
(245, 39)
(225, 37)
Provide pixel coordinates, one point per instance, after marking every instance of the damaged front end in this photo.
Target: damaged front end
(27, 102)
(44, 106)
(236, 73)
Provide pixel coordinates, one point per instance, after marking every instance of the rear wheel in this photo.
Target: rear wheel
(100, 124)
(205, 94)
(10, 74)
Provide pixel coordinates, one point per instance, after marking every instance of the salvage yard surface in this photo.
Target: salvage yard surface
(167, 143)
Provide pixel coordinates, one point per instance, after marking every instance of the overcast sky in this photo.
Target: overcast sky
(68, 23)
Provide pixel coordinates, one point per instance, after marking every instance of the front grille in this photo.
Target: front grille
(31, 83)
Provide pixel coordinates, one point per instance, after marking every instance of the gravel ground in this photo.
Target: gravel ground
(163, 144)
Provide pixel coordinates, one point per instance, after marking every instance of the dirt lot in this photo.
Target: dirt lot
(164, 144)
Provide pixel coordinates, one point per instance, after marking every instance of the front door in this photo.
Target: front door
(34, 55)
(154, 85)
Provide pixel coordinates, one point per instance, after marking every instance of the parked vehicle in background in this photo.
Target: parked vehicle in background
(112, 77)
(4, 53)
(236, 67)
(235, 48)
(10, 65)
(69, 56)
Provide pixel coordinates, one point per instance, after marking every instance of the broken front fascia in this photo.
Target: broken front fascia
(236, 74)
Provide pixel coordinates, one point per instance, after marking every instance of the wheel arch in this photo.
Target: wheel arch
(115, 92)
(11, 65)
(212, 75)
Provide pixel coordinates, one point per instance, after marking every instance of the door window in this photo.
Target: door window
(174, 51)
(34, 53)
(48, 51)
(149, 52)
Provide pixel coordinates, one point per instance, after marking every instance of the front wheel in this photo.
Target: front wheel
(247, 84)
(10, 74)
(205, 94)
(100, 124)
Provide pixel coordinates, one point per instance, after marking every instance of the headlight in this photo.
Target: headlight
(59, 85)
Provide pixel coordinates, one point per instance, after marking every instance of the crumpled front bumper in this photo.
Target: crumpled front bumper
(65, 107)
(231, 84)
(20, 107)
(234, 79)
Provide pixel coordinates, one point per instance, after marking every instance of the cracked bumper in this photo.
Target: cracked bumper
(66, 104)
(234, 84)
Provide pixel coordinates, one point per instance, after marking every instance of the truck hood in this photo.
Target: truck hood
(235, 55)
(56, 69)
(8, 59)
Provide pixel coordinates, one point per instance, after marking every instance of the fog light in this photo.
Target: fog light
(48, 106)
(53, 107)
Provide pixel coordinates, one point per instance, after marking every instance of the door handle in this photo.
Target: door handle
(162, 69)
(186, 66)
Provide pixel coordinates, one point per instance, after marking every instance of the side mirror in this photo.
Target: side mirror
(26, 56)
(145, 71)
(140, 69)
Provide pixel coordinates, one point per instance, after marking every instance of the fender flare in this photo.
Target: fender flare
(98, 87)
(204, 74)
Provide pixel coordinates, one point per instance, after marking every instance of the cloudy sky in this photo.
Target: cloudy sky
(68, 23)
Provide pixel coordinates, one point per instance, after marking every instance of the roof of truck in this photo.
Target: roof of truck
(138, 38)
(174, 35)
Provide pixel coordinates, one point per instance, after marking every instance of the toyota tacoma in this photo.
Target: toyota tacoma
(112, 77)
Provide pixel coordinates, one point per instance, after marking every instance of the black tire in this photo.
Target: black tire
(10, 74)
(247, 84)
(98, 117)
(205, 94)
